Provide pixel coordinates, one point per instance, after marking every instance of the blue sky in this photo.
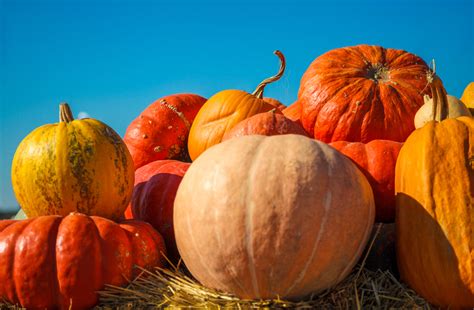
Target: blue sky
(113, 58)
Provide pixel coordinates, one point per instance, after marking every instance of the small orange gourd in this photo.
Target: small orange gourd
(226, 109)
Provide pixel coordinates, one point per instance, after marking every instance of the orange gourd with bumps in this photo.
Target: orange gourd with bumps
(161, 130)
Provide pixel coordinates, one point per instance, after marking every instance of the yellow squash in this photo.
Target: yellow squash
(74, 165)
(434, 182)
(468, 96)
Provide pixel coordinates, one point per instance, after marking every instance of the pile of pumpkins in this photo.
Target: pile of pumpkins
(277, 202)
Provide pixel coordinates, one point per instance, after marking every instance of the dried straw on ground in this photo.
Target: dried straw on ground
(172, 288)
(165, 288)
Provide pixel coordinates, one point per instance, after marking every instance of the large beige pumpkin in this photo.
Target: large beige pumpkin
(262, 217)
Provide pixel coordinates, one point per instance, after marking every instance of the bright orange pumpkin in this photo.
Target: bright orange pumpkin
(468, 97)
(434, 182)
(226, 109)
(293, 112)
(362, 93)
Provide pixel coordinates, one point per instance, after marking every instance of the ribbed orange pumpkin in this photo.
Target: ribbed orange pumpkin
(262, 217)
(226, 109)
(267, 123)
(161, 130)
(377, 160)
(435, 209)
(293, 112)
(153, 197)
(362, 93)
(52, 262)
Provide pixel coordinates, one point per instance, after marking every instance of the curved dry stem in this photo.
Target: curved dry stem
(260, 88)
(65, 113)
(438, 93)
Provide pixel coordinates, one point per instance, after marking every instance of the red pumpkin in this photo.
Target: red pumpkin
(362, 93)
(376, 160)
(268, 124)
(161, 130)
(274, 102)
(51, 262)
(153, 196)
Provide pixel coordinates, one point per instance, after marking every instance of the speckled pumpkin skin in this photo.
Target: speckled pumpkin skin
(269, 123)
(275, 102)
(52, 262)
(161, 130)
(82, 166)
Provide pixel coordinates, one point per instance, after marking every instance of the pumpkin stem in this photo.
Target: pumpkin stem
(65, 113)
(438, 93)
(259, 90)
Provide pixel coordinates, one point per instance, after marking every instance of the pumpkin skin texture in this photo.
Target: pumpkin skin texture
(161, 130)
(74, 165)
(362, 93)
(226, 109)
(52, 262)
(376, 160)
(274, 102)
(153, 197)
(468, 97)
(434, 181)
(267, 124)
(293, 112)
(241, 229)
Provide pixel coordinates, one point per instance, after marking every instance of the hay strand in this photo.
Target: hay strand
(172, 288)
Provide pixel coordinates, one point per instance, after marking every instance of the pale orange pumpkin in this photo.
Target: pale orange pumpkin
(262, 217)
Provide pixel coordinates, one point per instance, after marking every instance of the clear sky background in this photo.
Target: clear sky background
(113, 58)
